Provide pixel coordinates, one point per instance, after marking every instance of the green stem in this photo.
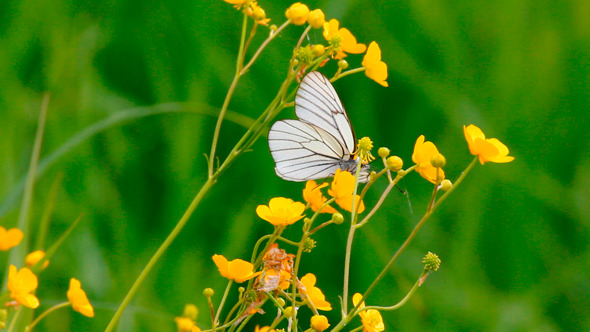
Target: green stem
(227, 288)
(419, 225)
(349, 243)
(146, 270)
(228, 96)
(47, 312)
(14, 320)
(263, 45)
(348, 72)
(403, 301)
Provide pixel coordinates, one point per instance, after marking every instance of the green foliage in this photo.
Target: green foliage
(513, 239)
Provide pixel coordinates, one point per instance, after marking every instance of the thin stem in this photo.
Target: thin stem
(349, 243)
(228, 96)
(263, 45)
(403, 301)
(348, 72)
(305, 33)
(47, 312)
(227, 288)
(379, 202)
(152, 262)
(14, 320)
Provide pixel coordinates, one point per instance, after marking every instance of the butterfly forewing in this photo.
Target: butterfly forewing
(320, 142)
(317, 103)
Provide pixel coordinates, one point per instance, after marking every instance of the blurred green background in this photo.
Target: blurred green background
(513, 238)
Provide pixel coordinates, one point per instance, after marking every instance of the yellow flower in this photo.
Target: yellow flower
(10, 238)
(21, 284)
(489, 149)
(34, 258)
(281, 211)
(342, 189)
(363, 150)
(313, 196)
(316, 18)
(238, 270)
(341, 39)
(372, 320)
(185, 324)
(78, 299)
(375, 69)
(319, 323)
(297, 13)
(314, 294)
(423, 153)
(263, 329)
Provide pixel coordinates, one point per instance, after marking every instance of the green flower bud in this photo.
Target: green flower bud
(438, 160)
(208, 292)
(446, 185)
(431, 262)
(337, 218)
(342, 64)
(383, 152)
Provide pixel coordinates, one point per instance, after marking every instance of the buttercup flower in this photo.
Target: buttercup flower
(281, 211)
(21, 284)
(34, 257)
(372, 320)
(263, 329)
(78, 299)
(341, 39)
(489, 149)
(319, 323)
(10, 238)
(238, 270)
(257, 13)
(313, 293)
(312, 194)
(297, 13)
(342, 189)
(375, 69)
(363, 150)
(423, 153)
(316, 18)
(185, 324)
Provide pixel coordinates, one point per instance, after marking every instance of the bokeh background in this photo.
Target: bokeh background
(513, 238)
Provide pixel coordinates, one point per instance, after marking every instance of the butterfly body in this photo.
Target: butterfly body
(321, 141)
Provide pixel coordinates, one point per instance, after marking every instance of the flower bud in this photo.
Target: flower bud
(438, 160)
(318, 50)
(446, 185)
(316, 18)
(289, 312)
(190, 311)
(241, 289)
(281, 301)
(383, 152)
(273, 27)
(306, 220)
(401, 172)
(342, 64)
(431, 262)
(319, 323)
(208, 292)
(337, 218)
(297, 13)
(395, 163)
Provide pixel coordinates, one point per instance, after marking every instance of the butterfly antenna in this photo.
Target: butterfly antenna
(407, 194)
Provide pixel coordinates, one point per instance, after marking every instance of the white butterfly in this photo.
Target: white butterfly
(321, 141)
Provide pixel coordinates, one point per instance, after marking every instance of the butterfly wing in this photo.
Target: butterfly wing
(303, 151)
(317, 103)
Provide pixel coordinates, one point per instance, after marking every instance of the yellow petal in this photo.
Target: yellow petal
(10, 238)
(222, 265)
(240, 270)
(349, 44)
(78, 299)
